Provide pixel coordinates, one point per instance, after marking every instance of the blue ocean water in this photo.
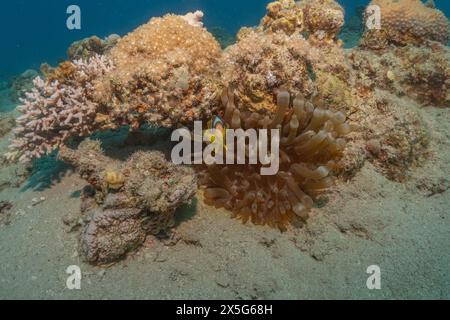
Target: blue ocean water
(33, 31)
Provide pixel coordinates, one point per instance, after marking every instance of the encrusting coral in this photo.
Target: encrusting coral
(312, 141)
(163, 73)
(144, 191)
(407, 22)
(92, 46)
(7, 122)
(260, 63)
(323, 19)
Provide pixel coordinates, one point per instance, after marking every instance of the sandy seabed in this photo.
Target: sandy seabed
(403, 228)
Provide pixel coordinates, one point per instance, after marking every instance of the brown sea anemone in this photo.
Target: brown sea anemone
(312, 141)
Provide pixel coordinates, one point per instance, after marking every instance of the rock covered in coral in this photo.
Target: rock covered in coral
(261, 63)
(21, 84)
(269, 57)
(312, 142)
(391, 135)
(323, 19)
(111, 234)
(407, 22)
(171, 71)
(131, 199)
(56, 111)
(334, 79)
(163, 74)
(92, 46)
(421, 73)
(386, 131)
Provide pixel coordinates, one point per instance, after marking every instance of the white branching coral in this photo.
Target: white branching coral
(54, 112)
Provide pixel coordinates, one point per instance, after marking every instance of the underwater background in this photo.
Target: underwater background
(368, 155)
(35, 31)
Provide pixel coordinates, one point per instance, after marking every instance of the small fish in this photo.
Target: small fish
(216, 124)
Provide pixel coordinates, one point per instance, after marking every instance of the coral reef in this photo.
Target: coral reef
(311, 145)
(386, 131)
(129, 200)
(55, 111)
(223, 37)
(277, 54)
(91, 47)
(322, 20)
(407, 22)
(163, 74)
